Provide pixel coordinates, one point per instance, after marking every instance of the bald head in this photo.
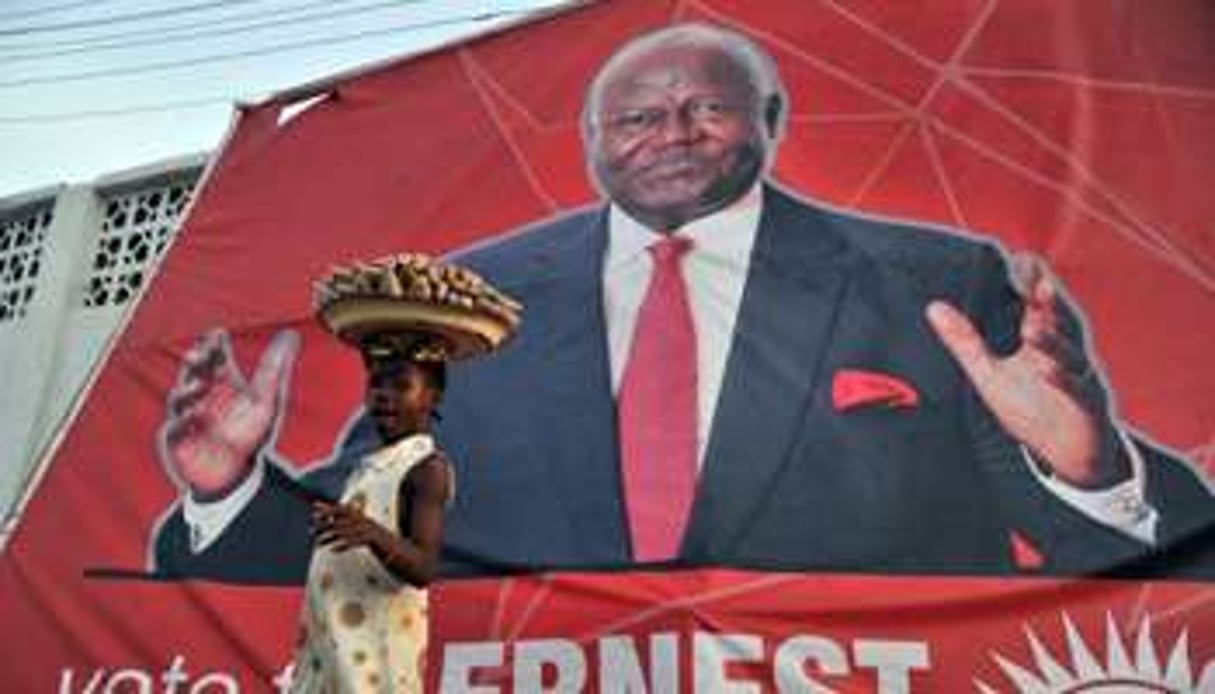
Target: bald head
(679, 123)
(753, 64)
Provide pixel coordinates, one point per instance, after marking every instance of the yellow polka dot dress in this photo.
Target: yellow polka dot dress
(363, 629)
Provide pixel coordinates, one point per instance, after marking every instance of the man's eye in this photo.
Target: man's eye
(635, 120)
(707, 109)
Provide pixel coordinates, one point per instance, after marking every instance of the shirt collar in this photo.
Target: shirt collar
(727, 234)
(410, 447)
(218, 513)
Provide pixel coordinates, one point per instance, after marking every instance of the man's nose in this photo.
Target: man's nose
(678, 126)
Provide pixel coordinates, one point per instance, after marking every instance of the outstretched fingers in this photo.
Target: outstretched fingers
(1039, 290)
(275, 365)
(209, 359)
(964, 343)
(1053, 346)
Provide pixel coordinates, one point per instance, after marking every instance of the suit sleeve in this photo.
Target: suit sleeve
(1186, 535)
(269, 541)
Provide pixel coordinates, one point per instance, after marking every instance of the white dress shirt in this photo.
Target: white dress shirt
(207, 520)
(715, 270)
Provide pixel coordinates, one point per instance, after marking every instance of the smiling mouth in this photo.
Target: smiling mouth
(671, 169)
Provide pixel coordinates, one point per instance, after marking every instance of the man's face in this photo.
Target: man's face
(677, 134)
(399, 399)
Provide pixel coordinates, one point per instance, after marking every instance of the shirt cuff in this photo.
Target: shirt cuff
(1122, 507)
(207, 521)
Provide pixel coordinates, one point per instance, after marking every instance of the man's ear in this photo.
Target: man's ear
(773, 114)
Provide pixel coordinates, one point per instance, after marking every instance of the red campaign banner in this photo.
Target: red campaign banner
(728, 631)
(1079, 131)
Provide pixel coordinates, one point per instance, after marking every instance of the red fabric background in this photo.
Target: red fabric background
(1080, 130)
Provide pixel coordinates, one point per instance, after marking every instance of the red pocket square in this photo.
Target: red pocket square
(853, 388)
(1025, 554)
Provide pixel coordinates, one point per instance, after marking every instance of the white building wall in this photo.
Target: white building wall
(72, 262)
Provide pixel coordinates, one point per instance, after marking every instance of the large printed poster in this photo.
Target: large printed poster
(942, 412)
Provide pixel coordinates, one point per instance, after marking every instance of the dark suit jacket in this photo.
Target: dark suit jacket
(269, 542)
(787, 481)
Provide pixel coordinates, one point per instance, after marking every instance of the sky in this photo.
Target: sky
(91, 87)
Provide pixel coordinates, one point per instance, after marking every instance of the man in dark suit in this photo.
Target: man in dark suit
(865, 395)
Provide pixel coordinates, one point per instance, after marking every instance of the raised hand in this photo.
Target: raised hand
(1047, 394)
(217, 421)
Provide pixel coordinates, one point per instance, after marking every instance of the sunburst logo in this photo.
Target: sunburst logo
(1143, 672)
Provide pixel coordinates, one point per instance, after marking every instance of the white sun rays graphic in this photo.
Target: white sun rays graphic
(1121, 673)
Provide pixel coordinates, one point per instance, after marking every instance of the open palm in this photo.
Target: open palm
(217, 419)
(1046, 394)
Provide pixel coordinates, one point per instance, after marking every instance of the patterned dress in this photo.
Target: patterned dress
(363, 629)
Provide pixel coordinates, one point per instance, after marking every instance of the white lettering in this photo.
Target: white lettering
(282, 681)
(67, 676)
(794, 654)
(222, 679)
(720, 664)
(461, 659)
(141, 680)
(174, 675)
(894, 661)
(714, 652)
(173, 679)
(564, 656)
(620, 670)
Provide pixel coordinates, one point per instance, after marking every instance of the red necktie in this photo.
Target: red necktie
(658, 410)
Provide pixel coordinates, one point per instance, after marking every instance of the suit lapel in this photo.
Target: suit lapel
(797, 277)
(576, 417)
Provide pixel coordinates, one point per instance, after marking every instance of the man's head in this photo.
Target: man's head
(681, 122)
